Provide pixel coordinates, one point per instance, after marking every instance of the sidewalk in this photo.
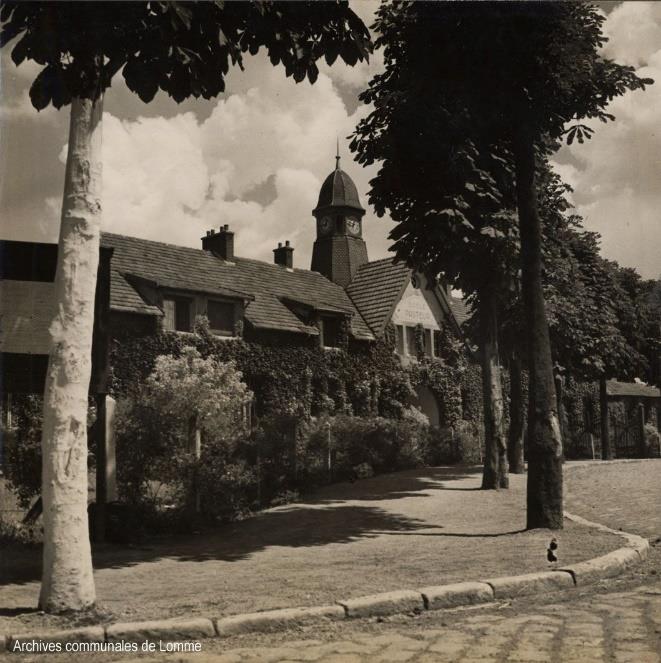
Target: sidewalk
(415, 528)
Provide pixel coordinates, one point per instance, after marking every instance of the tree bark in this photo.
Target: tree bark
(495, 458)
(67, 582)
(517, 430)
(544, 490)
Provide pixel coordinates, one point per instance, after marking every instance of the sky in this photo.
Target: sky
(255, 157)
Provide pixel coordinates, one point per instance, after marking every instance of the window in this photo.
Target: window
(176, 314)
(330, 331)
(400, 340)
(410, 341)
(427, 342)
(437, 342)
(221, 316)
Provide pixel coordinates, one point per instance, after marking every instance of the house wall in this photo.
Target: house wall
(132, 324)
(413, 309)
(28, 308)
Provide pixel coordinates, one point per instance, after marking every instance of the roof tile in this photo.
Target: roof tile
(376, 289)
(201, 271)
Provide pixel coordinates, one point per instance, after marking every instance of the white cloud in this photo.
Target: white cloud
(634, 32)
(171, 179)
(617, 177)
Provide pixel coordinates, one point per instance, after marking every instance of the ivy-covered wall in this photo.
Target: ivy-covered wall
(294, 376)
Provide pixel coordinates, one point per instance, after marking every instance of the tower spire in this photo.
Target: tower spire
(337, 155)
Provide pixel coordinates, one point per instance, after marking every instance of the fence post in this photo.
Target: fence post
(606, 448)
(329, 459)
(642, 446)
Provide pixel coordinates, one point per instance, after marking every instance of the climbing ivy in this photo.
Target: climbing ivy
(303, 380)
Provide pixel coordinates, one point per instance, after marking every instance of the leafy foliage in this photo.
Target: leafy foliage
(182, 48)
(181, 393)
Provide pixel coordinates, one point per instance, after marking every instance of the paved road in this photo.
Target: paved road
(616, 621)
(619, 627)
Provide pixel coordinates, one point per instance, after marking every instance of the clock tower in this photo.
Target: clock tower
(339, 248)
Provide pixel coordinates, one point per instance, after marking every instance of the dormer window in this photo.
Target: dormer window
(330, 332)
(406, 341)
(177, 314)
(221, 317)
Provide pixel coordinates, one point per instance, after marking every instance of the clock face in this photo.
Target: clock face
(325, 224)
(353, 225)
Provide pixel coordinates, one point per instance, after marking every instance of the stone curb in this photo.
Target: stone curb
(452, 596)
(640, 544)
(273, 620)
(189, 629)
(388, 603)
(377, 605)
(510, 587)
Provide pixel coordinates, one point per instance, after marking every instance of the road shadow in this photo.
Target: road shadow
(398, 485)
(334, 514)
(16, 612)
(287, 527)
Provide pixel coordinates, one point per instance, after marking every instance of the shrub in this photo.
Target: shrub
(156, 458)
(12, 533)
(652, 441)
(22, 449)
(361, 446)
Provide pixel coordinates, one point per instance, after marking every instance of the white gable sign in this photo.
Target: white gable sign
(413, 310)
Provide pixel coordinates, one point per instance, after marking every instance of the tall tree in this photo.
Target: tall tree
(184, 49)
(583, 301)
(514, 73)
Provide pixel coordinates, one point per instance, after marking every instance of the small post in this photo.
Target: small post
(100, 430)
(259, 472)
(8, 418)
(198, 455)
(559, 394)
(195, 448)
(329, 460)
(641, 420)
(8, 426)
(606, 449)
(658, 421)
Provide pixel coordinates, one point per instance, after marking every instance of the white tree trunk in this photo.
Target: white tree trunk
(67, 582)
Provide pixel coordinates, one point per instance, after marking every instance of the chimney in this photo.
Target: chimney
(284, 255)
(220, 243)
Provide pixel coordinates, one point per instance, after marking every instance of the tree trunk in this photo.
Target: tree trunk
(544, 492)
(517, 430)
(495, 457)
(67, 582)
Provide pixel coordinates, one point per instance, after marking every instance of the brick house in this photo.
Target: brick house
(156, 285)
(145, 286)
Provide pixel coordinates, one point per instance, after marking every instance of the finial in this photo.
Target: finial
(337, 156)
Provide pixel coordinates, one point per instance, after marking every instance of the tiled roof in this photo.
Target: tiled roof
(376, 289)
(615, 388)
(200, 271)
(338, 189)
(123, 296)
(460, 309)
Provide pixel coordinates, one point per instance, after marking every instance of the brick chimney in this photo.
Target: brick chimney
(220, 243)
(284, 255)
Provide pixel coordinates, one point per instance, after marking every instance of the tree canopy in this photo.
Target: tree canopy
(182, 48)
(491, 78)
